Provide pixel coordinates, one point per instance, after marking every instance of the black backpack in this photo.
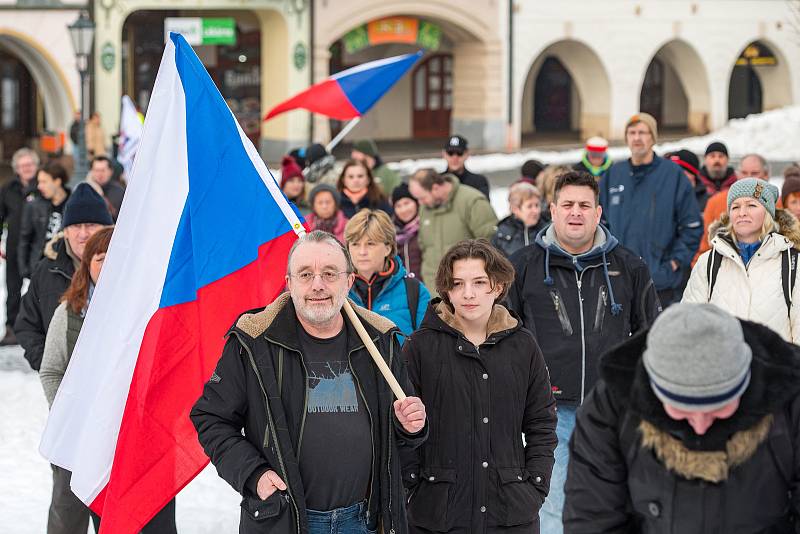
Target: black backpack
(412, 296)
(788, 274)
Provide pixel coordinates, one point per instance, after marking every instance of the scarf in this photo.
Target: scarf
(326, 225)
(748, 250)
(407, 231)
(355, 196)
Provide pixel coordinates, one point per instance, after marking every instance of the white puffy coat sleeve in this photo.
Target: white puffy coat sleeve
(697, 288)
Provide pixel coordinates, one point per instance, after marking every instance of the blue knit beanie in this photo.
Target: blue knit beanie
(764, 192)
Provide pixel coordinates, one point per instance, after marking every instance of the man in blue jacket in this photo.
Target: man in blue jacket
(649, 205)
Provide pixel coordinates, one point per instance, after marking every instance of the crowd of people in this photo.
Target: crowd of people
(616, 355)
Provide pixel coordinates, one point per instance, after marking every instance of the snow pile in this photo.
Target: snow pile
(773, 134)
(206, 506)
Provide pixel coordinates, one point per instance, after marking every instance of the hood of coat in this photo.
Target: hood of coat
(604, 243)
(774, 382)
(279, 321)
(788, 227)
(58, 249)
(439, 316)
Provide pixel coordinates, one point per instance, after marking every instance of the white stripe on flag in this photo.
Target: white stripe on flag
(82, 430)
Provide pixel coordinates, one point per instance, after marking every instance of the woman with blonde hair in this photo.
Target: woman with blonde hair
(382, 283)
(520, 228)
(750, 270)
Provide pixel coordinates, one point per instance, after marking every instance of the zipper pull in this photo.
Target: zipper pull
(579, 284)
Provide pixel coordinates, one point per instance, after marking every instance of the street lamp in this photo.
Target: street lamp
(82, 34)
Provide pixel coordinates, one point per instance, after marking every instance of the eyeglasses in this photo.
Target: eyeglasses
(455, 152)
(329, 277)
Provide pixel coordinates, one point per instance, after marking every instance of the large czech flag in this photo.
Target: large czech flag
(202, 236)
(350, 93)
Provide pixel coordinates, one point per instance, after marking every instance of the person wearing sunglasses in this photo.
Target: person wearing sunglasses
(456, 153)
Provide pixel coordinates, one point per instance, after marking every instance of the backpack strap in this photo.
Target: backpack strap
(712, 270)
(788, 276)
(412, 296)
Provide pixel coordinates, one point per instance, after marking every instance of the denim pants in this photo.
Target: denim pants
(350, 520)
(550, 514)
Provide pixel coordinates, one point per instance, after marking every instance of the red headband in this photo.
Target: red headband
(688, 166)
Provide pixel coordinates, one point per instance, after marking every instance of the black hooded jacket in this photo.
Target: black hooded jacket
(580, 306)
(250, 417)
(474, 474)
(743, 475)
(49, 281)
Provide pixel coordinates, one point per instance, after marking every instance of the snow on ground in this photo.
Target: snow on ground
(208, 505)
(773, 134)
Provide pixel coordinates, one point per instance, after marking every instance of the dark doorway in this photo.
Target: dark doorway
(651, 99)
(552, 107)
(433, 96)
(18, 97)
(235, 69)
(744, 93)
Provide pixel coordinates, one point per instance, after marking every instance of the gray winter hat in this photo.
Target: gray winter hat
(766, 193)
(697, 358)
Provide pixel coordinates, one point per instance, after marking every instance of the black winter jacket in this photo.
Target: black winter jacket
(570, 306)
(512, 234)
(49, 281)
(478, 181)
(33, 234)
(349, 209)
(259, 386)
(473, 474)
(12, 200)
(617, 480)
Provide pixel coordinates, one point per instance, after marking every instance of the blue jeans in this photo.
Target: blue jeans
(550, 514)
(350, 520)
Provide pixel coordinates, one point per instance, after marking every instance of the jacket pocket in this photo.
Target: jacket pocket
(602, 304)
(561, 312)
(518, 500)
(272, 513)
(429, 503)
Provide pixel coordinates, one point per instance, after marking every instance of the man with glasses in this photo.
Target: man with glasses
(649, 205)
(296, 416)
(456, 153)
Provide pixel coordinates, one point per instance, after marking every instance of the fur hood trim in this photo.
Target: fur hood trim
(49, 251)
(256, 323)
(788, 227)
(500, 319)
(711, 466)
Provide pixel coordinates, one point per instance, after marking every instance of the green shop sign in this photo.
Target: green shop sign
(408, 30)
(202, 31)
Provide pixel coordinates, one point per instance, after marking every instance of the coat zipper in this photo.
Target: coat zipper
(525, 233)
(271, 425)
(371, 424)
(602, 302)
(566, 326)
(578, 279)
(389, 455)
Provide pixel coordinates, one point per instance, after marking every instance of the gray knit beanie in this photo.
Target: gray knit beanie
(764, 192)
(696, 357)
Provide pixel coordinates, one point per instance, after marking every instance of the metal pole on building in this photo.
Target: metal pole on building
(81, 33)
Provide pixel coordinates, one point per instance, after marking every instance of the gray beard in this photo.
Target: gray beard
(318, 316)
(717, 174)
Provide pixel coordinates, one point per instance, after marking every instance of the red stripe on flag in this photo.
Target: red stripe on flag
(325, 98)
(157, 450)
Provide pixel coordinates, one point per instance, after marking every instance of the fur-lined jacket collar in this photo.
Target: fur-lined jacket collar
(278, 321)
(775, 381)
(788, 227)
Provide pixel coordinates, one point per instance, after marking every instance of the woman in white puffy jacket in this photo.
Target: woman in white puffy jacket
(752, 245)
